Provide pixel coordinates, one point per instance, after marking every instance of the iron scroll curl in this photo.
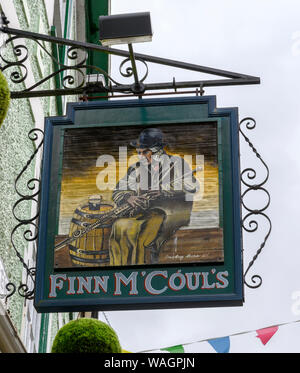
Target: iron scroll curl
(129, 70)
(250, 221)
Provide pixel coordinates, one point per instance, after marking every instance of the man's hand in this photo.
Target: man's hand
(138, 201)
(153, 194)
(142, 201)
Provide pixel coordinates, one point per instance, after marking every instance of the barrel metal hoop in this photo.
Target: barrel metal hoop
(88, 252)
(82, 223)
(86, 260)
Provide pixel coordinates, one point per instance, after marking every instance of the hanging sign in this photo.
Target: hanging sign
(140, 207)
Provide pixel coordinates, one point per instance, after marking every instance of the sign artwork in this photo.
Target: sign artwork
(137, 195)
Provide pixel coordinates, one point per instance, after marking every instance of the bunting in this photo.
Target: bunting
(266, 334)
(222, 344)
(174, 349)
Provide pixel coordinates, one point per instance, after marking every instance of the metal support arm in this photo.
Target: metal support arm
(139, 87)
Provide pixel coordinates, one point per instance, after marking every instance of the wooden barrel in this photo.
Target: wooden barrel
(92, 249)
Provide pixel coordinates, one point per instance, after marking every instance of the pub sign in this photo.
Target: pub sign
(140, 207)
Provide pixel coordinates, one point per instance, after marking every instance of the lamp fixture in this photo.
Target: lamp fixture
(125, 28)
(95, 80)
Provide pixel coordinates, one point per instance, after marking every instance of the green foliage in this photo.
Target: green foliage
(86, 336)
(4, 97)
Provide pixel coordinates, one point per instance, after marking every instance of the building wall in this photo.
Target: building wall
(32, 332)
(16, 149)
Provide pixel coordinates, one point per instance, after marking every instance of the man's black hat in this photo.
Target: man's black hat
(149, 138)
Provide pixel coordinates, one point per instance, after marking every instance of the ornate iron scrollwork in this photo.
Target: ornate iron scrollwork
(31, 233)
(129, 71)
(249, 221)
(77, 58)
(20, 72)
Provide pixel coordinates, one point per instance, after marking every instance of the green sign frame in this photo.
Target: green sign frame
(151, 286)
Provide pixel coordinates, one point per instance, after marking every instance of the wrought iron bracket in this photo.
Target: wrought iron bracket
(249, 183)
(30, 224)
(72, 86)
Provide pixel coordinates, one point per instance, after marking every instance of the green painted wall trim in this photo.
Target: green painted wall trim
(93, 9)
(44, 333)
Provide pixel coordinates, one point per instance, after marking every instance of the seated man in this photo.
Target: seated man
(161, 202)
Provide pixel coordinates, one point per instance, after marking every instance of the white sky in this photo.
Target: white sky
(260, 38)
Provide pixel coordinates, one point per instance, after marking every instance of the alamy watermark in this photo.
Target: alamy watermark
(3, 282)
(296, 304)
(157, 172)
(296, 43)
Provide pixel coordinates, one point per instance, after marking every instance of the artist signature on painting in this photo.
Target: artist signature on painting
(183, 257)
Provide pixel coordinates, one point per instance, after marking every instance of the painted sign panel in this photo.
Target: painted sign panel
(140, 206)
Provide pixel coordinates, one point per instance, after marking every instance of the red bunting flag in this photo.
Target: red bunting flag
(266, 334)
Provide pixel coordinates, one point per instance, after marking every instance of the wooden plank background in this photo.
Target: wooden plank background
(186, 246)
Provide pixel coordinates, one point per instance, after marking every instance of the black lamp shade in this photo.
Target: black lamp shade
(125, 28)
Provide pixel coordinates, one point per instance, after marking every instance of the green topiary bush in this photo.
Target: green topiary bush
(86, 336)
(4, 97)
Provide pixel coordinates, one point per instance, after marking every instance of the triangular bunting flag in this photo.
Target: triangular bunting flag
(174, 349)
(266, 334)
(221, 345)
